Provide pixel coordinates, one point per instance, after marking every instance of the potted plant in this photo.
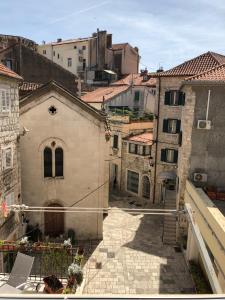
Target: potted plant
(75, 278)
(23, 243)
(68, 246)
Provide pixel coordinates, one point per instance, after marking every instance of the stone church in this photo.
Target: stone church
(64, 159)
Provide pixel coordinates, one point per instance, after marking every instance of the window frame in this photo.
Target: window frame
(69, 62)
(53, 168)
(4, 157)
(165, 155)
(115, 141)
(7, 107)
(136, 192)
(137, 99)
(55, 163)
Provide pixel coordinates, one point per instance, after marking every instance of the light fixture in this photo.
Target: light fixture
(151, 161)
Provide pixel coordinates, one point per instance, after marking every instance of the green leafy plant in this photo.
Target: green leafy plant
(76, 271)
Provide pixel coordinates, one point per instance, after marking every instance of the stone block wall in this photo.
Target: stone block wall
(10, 178)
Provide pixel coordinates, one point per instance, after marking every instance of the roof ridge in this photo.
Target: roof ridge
(205, 72)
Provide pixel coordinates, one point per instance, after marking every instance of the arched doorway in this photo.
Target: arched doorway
(145, 187)
(54, 222)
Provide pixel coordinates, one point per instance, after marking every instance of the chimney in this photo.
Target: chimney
(59, 40)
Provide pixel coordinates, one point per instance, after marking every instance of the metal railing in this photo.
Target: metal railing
(49, 260)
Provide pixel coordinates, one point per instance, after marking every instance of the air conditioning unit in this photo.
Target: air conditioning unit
(204, 124)
(200, 177)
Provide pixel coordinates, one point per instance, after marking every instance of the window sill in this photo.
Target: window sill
(54, 178)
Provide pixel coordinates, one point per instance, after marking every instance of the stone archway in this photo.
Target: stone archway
(54, 222)
(145, 187)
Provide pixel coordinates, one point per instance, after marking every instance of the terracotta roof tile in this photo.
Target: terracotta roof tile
(9, 73)
(196, 65)
(106, 92)
(214, 74)
(137, 80)
(146, 138)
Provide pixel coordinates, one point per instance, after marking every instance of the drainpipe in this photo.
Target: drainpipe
(207, 109)
(156, 145)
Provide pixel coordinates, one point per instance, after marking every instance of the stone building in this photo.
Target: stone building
(202, 153)
(64, 161)
(123, 128)
(136, 170)
(168, 126)
(21, 57)
(94, 59)
(135, 93)
(10, 189)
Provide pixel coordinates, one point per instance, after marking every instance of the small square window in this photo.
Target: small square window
(53, 53)
(74, 47)
(58, 56)
(136, 96)
(83, 47)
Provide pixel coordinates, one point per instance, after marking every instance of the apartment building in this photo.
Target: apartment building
(94, 59)
(130, 152)
(22, 58)
(169, 124)
(134, 93)
(10, 189)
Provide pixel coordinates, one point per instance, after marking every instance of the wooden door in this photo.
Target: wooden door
(54, 222)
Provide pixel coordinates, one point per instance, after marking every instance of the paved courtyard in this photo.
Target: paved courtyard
(131, 259)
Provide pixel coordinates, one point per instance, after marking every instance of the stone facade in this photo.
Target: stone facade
(202, 149)
(165, 140)
(138, 164)
(79, 131)
(122, 160)
(10, 189)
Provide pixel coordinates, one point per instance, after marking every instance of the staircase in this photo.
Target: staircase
(169, 226)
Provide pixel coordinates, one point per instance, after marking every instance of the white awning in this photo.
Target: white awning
(110, 72)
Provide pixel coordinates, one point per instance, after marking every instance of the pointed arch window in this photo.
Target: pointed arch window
(47, 162)
(58, 162)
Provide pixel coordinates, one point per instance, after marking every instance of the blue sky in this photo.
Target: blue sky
(167, 32)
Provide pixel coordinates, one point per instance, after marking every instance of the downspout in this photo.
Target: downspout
(156, 142)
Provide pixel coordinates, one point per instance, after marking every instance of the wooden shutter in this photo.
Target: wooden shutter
(181, 99)
(163, 155)
(178, 126)
(167, 97)
(175, 156)
(165, 125)
(180, 139)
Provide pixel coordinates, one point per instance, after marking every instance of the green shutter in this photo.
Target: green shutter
(181, 99)
(178, 126)
(136, 96)
(167, 97)
(175, 156)
(163, 155)
(165, 125)
(180, 139)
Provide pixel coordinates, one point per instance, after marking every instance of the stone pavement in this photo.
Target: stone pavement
(131, 258)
